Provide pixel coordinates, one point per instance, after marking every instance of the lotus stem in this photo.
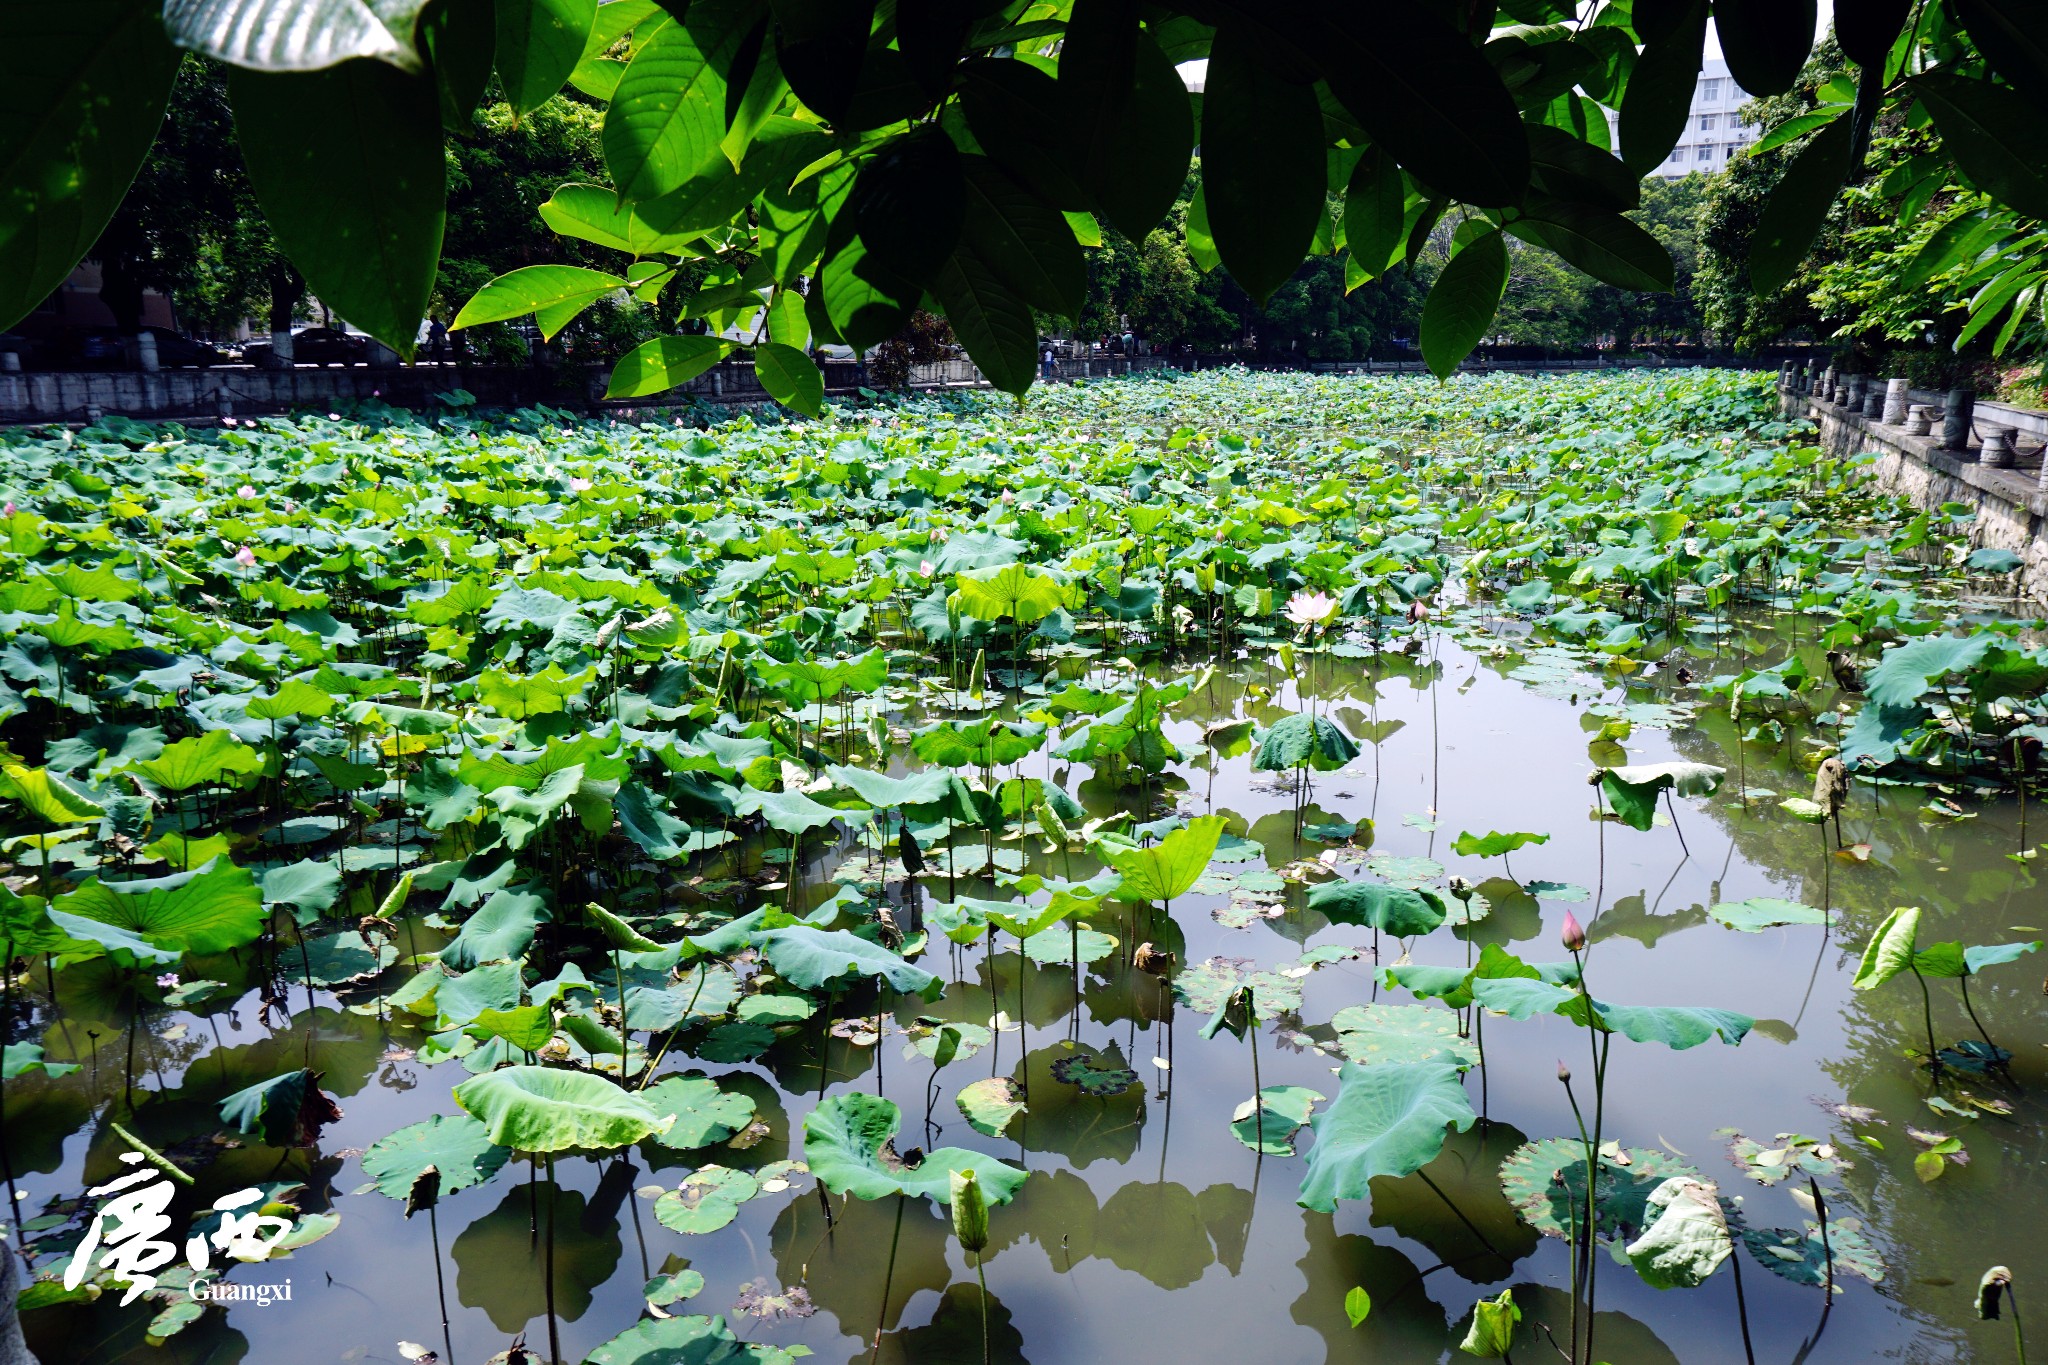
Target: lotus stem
(149, 1154)
(1927, 1013)
(440, 1281)
(554, 1332)
(888, 1276)
(1963, 985)
(1827, 1251)
(1742, 1309)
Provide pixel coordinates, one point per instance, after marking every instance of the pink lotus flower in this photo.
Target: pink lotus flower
(1573, 935)
(1009, 496)
(1311, 608)
(927, 568)
(169, 981)
(246, 491)
(246, 557)
(10, 510)
(579, 485)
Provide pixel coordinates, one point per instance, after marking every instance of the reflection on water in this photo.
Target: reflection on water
(1147, 1230)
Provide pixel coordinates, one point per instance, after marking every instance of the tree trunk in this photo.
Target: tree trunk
(287, 287)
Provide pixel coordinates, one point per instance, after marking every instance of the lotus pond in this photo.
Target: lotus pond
(1186, 870)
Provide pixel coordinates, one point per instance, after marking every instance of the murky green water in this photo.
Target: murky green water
(1148, 1232)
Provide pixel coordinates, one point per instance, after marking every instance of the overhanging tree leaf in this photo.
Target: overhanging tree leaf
(83, 87)
(292, 35)
(357, 196)
(1028, 243)
(556, 292)
(1797, 208)
(539, 44)
(991, 320)
(1389, 1120)
(1994, 134)
(1461, 304)
(791, 377)
(1114, 80)
(1262, 165)
(1598, 241)
(1658, 100)
(664, 363)
(1765, 42)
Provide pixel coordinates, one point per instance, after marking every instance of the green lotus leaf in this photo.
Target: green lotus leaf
(1377, 1034)
(1633, 791)
(1093, 1075)
(1387, 1120)
(1890, 950)
(211, 909)
(457, 1146)
(1687, 1239)
(1802, 1255)
(816, 959)
(1759, 913)
(543, 1109)
(22, 1058)
(50, 795)
(1282, 1112)
(990, 1104)
(1302, 740)
(1494, 844)
(1397, 910)
(499, 930)
(849, 1145)
(702, 1113)
(214, 757)
(1168, 868)
(707, 1200)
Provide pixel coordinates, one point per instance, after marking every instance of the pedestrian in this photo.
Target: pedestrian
(437, 339)
(1045, 363)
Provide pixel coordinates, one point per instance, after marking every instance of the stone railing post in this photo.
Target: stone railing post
(1857, 384)
(1874, 404)
(145, 351)
(1919, 419)
(1997, 447)
(1955, 419)
(1894, 402)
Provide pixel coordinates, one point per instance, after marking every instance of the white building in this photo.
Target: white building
(1714, 130)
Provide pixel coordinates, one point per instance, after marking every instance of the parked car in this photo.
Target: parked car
(315, 346)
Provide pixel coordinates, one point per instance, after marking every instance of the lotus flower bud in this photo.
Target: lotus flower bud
(1564, 1073)
(1461, 888)
(1573, 934)
(970, 1211)
(246, 557)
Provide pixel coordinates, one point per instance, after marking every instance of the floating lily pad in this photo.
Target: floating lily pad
(707, 1200)
(992, 1103)
(736, 1042)
(1557, 891)
(1798, 1254)
(1759, 913)
(1093, 1076)
(703, 1113)
(1050, 947)
(1545, 1180)
(1283, 1111)
(1413, 873)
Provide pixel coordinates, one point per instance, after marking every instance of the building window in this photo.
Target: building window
(1705, 154)
(1707, 122)
(1710, 89)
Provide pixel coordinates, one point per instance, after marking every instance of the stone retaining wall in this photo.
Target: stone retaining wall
(2011, 504)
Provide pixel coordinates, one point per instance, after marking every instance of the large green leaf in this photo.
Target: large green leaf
(543, 1109)
(791, 377)
(211, 909)
(1116, 83)
(83, 86)
(1905, 673)
(1397, 910)
(816, 959)
(703, 1113)
(1890, 950)
(1765, 42)
(1461, 303)
(993, 322)
(1678, 1027)
(1598, 241)
(665, 363)
(1793, 215)
(357, 196)
(1262, 164)
(793, 812)
(1994, 133)
(1373, 1035)
(1302, 740)
(1375, 206)
(592, 213)
(849, 1146)
(1015, 592)
(1029, 244)
(1169, 868)
(539, 44)
(1633, 791)
(666, 117)
(1015, 112)
(499, 931)
(296, 35)
(284, 1111)
(555, 293)
(458, 1147)
(216, 756)
(50, 795)
(1387, 1120)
